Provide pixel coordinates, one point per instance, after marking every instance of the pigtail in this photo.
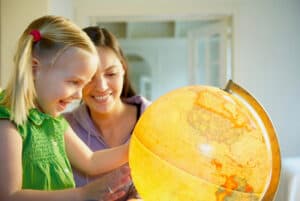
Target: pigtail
(20, 92)
(24, 94)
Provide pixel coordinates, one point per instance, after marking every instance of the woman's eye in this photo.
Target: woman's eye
(111, 74)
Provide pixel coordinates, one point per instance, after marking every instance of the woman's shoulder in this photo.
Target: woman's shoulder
(74, 113)
(78, 117)
(138, 100)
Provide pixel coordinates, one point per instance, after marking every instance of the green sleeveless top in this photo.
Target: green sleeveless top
(44, 160)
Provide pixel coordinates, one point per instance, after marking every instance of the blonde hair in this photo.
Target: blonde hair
(57, 34)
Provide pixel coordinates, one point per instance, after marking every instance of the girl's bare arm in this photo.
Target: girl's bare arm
(11, 176)
(93, 163)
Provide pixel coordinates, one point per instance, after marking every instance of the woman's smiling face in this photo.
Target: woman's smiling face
(103, 93)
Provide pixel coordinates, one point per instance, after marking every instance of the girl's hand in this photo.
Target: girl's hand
(107, 188)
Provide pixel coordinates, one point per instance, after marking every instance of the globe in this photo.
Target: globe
(201, 143)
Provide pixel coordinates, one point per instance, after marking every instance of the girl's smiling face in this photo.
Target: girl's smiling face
(59, 84)
(103, 93)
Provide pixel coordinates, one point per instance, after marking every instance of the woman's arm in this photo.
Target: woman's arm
(11, 176)
(93, 163)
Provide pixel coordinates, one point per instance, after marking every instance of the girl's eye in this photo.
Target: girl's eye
(75, 82)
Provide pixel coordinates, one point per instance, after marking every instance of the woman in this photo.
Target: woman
(110, 108)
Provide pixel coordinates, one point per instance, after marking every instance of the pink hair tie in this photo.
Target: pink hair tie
(36, 35)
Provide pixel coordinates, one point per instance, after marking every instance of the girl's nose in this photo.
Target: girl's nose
(78, 94)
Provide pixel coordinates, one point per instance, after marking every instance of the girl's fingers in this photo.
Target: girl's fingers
(114, 196)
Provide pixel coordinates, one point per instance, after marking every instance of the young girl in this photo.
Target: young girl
(53, 62)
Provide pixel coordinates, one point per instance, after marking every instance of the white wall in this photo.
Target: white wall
(61, 7)
(15, 17)
(167, 58)
(267, 59)
(154, 9)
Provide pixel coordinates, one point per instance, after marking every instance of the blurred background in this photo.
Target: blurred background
(170, 44)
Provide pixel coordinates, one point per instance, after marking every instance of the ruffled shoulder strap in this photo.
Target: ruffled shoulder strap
(4, 111)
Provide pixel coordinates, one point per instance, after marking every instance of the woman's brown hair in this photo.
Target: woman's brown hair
(101, 37)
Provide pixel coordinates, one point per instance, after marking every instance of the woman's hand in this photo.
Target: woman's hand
(108, 187)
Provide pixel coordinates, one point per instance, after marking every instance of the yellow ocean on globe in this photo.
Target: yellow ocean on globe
(200, 143)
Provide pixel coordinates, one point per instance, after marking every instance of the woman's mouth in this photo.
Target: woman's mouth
(101, 98)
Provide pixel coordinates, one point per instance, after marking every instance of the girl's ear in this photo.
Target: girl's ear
(35, 66)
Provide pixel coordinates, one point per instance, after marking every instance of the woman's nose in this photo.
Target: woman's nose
(101, 84)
